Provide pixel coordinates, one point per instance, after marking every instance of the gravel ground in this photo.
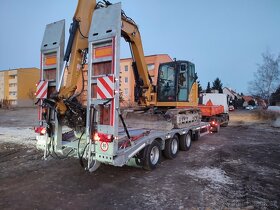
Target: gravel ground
(238, 168)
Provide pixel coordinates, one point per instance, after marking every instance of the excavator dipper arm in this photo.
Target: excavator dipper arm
(70, 111)
(143, 81)
(76, 48)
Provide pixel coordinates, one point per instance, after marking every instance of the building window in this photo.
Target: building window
(13, 102)
(125, 68)
(151, 66)
(126, 91)
(12, 85)
(126, 79)
(12, 93)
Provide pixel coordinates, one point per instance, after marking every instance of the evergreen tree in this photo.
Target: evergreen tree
(240, 103)
(218, 85)
(208, 89)
(199, 89)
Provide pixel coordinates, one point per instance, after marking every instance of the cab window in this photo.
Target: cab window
(166, 83)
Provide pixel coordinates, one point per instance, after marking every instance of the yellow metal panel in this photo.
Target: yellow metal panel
(102, 52)
(193, 97)
(50, 60)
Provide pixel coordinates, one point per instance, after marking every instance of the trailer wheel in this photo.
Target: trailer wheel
(224, 124)
(171, 147)
(217, 128)
(185, 142)
(194, 136)
(226, 119)
(152, 156)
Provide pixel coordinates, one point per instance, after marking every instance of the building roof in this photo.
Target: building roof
(248, 98)
(122, 59)
(232, 92)
(18, 69)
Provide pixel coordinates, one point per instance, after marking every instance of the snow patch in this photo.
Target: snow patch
(206, 147)
(276, 123)
(274, 109)
(214, 175)
(25, 136)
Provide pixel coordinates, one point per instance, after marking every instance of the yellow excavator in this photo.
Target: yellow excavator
(176, 86)
(108, 136)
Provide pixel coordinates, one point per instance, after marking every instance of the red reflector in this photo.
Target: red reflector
(102, 137)
(41, 130)
(96, 137)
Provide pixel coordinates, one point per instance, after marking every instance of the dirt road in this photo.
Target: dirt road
(237, 168)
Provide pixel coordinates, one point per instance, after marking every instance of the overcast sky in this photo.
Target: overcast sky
(224, 38)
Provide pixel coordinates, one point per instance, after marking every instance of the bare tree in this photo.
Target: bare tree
(267, 77)
(275, 97)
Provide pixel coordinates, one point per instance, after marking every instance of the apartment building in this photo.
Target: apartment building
(18, 86)
(127, 81)
(127, 77)
(2, 85)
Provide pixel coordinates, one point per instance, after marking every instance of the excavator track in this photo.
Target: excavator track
(172, 118)
(182, 118)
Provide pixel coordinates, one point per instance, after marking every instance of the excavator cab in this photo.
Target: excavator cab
(175, 81)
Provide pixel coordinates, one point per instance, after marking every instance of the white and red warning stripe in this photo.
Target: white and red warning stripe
(105, 87)
(42, 89)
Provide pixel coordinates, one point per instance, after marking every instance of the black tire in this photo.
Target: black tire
(194, 136)
(217, 128)
(152, 156)
(226, 120)
(171, 147)
(185, 142)
(224, 124)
